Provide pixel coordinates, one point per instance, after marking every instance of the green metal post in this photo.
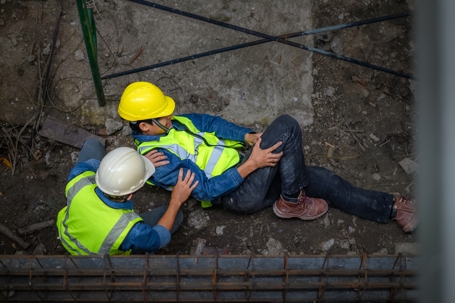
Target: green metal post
(89, 31)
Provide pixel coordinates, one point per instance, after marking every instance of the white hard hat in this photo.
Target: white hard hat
(123, 171)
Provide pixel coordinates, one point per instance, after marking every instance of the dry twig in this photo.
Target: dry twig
(7, 232)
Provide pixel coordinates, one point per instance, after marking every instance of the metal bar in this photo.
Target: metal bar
(257, 42)
(90, 45)
(93, 30)
(271, 38)
(211, 279)
(208, 286)
(127, 272)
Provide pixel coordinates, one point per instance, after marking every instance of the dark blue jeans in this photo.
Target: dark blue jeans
(263, 187)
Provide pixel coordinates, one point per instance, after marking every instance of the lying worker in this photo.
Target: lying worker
(206, 145)
(99, 216)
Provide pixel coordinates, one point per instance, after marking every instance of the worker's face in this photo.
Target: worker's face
(151, 128)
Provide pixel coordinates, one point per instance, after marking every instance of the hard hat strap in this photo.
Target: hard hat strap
(161, 125)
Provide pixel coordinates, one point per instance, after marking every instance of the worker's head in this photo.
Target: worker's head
(122, 172)
(147, 109)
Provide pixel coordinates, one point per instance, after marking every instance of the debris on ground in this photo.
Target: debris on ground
(35, 227)
(69, 134)
(39, 249)
(326, 246)
(15, 238)
(409, 166)
(198, 219)
(408, 248)
(274, 247)
(113, 126)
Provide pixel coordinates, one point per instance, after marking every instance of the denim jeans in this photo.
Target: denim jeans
(263, 187)
(92, 149)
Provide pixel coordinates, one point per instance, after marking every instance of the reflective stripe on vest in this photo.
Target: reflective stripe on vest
(184, 150)
(71, 193)
(116, 231)
(114, 236)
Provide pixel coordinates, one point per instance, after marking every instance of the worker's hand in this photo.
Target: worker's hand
(264, 157)
(252, 138)
(157, 158)
(184, 187)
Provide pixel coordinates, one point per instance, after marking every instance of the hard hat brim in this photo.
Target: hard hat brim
(169, 108)
(149, 168)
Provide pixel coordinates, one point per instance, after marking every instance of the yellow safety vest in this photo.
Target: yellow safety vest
(87, 225)
(213, 160)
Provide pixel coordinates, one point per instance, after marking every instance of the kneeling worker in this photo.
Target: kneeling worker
(99, 216)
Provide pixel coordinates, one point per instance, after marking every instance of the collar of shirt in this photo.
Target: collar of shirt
(128, 205)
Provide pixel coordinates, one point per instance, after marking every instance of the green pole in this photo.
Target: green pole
(89, 31)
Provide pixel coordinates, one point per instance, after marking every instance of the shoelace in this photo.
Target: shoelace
(302, 203)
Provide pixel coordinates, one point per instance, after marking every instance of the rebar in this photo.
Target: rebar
(271, 38)
(89, 32)
(257, 42)
(225, 278)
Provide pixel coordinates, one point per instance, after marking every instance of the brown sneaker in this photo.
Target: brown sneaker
(305, 208)
(406, 214)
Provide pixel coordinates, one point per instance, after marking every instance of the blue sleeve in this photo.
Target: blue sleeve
(143, 238)
(80, 167)
(207, 189)
(223, 129)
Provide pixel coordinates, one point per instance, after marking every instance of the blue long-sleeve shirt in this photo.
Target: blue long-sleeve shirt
(142, 237)
(208, 189)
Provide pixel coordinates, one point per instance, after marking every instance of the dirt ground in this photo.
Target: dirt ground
(366, 116)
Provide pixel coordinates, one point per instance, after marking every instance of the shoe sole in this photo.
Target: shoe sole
(410, 229)
(289, 216)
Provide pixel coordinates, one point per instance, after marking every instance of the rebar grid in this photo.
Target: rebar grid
(208, 278)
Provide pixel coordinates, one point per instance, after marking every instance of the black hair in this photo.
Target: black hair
(135, 126)
(117, 198)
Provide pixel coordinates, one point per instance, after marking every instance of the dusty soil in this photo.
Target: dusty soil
(349, 101)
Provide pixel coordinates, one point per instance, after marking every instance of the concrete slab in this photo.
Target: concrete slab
(68, 134)
(252, 85)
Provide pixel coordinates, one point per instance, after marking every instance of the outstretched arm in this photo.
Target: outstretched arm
(144, 238)
(223, 129)
(180, 194)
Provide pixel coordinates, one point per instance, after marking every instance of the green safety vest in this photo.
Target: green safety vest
(213, 160)
(87, 226)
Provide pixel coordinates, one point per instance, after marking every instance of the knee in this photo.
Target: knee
(92, 142)
(287, 122)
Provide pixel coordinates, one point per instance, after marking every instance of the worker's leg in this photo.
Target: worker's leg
(152, 217)
(339, 193)
(262, 188)
(92, 149)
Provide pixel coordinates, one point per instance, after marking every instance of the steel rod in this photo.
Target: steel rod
(204, 286)
(208, 278)
(270, 37)
(256, 42)
(89, 32)
(131, 272)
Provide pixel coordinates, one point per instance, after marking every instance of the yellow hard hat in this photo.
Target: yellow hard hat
(142, 101)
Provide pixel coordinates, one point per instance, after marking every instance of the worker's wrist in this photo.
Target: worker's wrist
(175, 203)
(246, 168)
(250, 164)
